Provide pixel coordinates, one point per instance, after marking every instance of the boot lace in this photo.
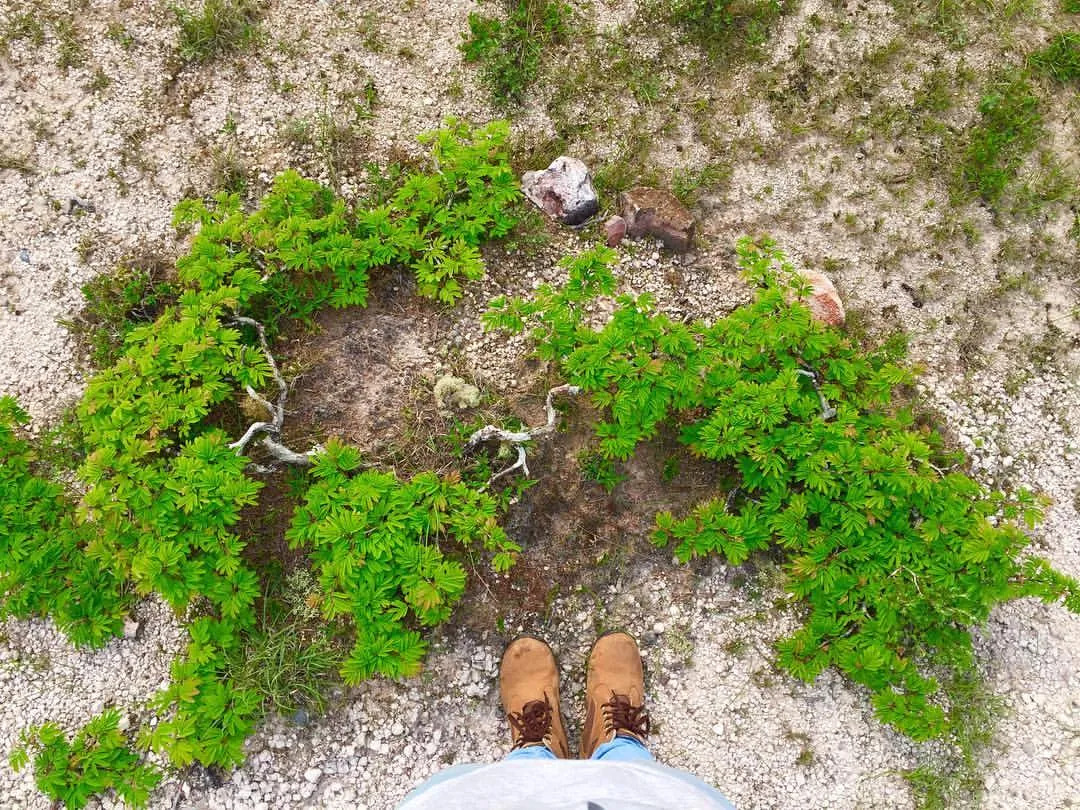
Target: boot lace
(620, 715)
(533, 723)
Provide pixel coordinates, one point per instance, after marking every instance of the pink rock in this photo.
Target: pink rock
(615, 228)
(657, 212)
(564, 190)
(824, 301)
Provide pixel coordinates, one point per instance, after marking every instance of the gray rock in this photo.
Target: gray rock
(131, 628)
(564, 190)
(312, 775)
(301, 718)
(657, 212)
(73, 204)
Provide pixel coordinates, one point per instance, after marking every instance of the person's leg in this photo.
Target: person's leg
(623, 749)
(616, 723)
(529, 685)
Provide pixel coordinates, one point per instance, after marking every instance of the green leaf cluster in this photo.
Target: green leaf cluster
(161, 493)
(377, 544)
(42, 567)
(465, 199)
(162, 487)
(894, 553)
(303, 249)
(97, 760)
(206, 716)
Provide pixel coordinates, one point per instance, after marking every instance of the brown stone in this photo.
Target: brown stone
(615, 229)
(657, 212)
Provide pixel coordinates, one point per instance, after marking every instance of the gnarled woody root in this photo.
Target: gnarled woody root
(272, 429)
(490, 433)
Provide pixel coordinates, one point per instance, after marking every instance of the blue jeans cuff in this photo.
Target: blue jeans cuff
(531, 752)
(623, 749)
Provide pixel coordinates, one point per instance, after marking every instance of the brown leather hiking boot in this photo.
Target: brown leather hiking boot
(529, 683)
(614, 693)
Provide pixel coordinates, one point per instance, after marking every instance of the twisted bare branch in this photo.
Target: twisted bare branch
(490, 433)
(272, 429)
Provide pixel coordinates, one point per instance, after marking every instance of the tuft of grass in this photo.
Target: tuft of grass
(806, 750)
(689, 184)
(508, 49)
(736, 647)
(24, 26)
(98, 83)
(70, 50)
(724, 28)
(228, 171)
(1059, 60)
(1070, 6)
(120, 35)
(291, 658)
(1009, 128)
(223, 26)
(15, 163)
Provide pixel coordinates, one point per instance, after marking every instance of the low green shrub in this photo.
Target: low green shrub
(466, 197)
(156, 499)
(508, 48)
(297, 253)
(893, 552)
(205, 716)
(302, 250)
(97, 760)
(42, 567)
(375, 542)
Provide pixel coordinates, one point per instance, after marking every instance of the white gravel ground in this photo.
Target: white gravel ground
(135, 147)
